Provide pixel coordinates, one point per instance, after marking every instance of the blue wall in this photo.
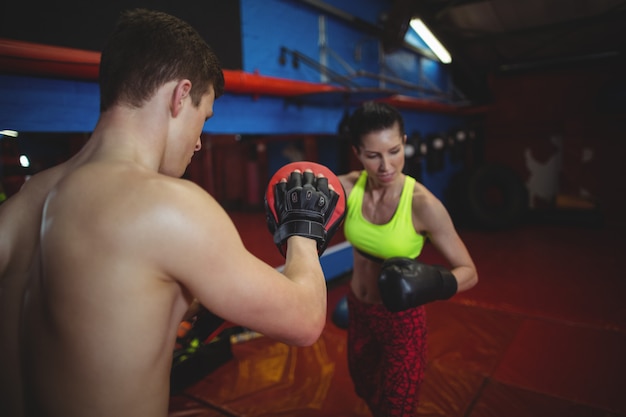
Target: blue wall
(272, 24)
(36, 104)
(31, 104)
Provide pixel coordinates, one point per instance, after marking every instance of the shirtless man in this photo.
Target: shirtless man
(101, 256)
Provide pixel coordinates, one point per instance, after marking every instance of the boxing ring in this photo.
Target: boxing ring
(542, 334)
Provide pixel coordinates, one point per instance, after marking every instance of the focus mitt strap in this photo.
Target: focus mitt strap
(406, 283)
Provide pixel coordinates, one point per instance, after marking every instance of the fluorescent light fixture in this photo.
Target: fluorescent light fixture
(431, 41)
(7, 132)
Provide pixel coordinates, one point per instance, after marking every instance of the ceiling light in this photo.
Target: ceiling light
(431, 41)
(7, 132)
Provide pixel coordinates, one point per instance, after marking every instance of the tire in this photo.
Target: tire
(496, 197)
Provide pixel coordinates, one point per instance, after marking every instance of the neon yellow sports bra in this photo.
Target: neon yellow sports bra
(395, 238)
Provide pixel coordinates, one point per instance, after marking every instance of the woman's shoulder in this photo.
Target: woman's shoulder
(351, 176)
(423, 197)
(348, 180)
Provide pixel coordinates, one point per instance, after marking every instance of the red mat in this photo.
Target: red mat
(502, 400)
(569, 274)
(543, 334)
(576, 363)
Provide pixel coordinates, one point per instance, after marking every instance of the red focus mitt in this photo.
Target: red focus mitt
(306, 204)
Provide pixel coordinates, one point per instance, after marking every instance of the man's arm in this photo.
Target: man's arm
(193, 241)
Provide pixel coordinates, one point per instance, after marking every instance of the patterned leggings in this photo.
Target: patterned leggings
(386, 356)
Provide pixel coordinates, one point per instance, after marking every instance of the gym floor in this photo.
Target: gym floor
(542, 334)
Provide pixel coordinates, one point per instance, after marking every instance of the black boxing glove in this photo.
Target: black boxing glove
(304, 205)
(406, 283)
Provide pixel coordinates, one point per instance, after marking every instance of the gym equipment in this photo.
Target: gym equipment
(202, 345)
(304, 205)
(340, 313)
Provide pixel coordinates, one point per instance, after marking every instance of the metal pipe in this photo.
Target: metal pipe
(25, 58)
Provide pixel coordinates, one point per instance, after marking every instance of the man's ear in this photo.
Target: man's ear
(180, 95)
(404, 139)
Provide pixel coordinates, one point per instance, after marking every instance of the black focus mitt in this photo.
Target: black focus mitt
(305, 205)
(406, 283)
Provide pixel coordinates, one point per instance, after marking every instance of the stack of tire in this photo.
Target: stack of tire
(491, 197)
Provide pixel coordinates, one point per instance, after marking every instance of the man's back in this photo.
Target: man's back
(80, 327)
(19, 222)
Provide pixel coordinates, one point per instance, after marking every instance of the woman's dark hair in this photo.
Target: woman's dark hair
(372, 116)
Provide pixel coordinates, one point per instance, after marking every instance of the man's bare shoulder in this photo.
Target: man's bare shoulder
(112, 185)
(124, 201)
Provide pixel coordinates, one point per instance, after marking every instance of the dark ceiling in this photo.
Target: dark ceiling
(484, 37)
(504, 36)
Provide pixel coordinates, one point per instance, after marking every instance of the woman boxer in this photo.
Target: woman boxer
(389, 218)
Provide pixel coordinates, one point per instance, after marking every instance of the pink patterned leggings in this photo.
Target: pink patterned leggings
(386, 356)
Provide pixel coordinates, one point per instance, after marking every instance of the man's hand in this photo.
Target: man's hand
(304, 199)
